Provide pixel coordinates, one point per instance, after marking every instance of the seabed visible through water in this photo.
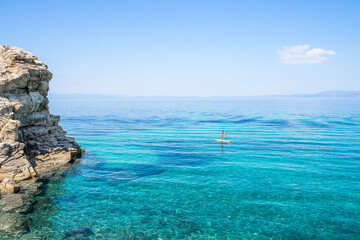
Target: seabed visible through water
(154, 171)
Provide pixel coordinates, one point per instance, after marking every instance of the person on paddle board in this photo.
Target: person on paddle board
(222, 138)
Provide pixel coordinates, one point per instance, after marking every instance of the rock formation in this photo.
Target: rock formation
(31, 141)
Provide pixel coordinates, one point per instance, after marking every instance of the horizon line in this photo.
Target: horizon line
(235, 96)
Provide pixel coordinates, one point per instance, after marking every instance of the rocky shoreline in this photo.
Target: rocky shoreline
(33, 146)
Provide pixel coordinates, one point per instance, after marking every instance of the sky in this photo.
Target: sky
(189, 47)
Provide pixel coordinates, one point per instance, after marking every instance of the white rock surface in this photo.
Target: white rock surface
(31, 141)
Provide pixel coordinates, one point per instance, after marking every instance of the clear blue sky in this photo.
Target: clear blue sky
(190, 48)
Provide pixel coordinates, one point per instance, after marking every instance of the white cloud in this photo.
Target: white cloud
(302, 54)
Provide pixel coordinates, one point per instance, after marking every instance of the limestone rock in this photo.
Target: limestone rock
(9, 186)
(31, 141)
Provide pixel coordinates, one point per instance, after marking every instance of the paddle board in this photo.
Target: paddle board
(219, 140)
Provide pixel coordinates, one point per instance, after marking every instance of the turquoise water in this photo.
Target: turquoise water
(154, 171)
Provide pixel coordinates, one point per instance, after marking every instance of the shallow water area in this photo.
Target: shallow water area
(152, 170)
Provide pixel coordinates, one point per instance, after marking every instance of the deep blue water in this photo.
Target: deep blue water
(154, 171)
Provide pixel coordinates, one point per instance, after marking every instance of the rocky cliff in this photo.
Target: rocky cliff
(31, 141)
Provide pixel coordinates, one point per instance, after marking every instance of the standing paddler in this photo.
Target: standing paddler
(222, 138)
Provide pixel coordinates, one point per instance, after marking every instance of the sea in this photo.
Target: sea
(152, 169)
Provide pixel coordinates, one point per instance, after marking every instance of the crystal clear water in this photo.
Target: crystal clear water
(154, 171)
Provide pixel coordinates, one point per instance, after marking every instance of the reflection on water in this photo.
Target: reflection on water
(154, 170)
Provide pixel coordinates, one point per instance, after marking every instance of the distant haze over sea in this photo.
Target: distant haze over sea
(334, 93)
(326, 94)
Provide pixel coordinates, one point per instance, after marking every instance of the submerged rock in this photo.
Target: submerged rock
(13, 223)
(82, 232)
